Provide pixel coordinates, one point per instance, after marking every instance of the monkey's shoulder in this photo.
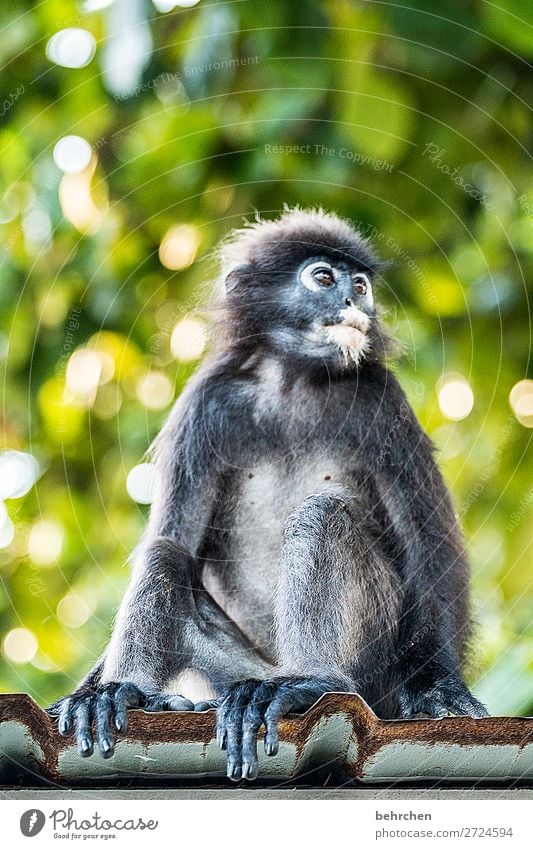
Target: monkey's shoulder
(238, 408)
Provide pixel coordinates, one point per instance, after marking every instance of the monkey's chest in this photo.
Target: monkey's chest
(244, 576)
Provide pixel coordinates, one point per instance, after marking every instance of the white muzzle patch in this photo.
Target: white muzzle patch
(350, 334)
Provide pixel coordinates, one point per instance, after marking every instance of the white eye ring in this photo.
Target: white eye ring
(360, 277)
(307, 275)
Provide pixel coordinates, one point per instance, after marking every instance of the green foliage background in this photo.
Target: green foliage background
(356, 79)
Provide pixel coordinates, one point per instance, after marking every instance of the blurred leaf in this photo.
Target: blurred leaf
(510, 22)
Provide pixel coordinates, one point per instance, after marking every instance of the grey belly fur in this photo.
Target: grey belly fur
(244, 582)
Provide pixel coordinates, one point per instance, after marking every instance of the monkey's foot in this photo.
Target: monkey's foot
(107, 706)
(447, 696)
(247, 706)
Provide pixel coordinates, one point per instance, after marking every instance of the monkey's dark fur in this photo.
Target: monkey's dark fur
(302, 539)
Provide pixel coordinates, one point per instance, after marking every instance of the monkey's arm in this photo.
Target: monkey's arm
(434, 572)
(167, 622)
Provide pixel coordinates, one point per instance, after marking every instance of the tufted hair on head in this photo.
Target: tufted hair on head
(293, 234)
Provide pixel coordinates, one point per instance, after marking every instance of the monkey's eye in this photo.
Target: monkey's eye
(361, 284)
(316, 275)
(324, 276)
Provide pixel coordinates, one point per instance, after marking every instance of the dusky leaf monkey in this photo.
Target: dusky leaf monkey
(301, 539)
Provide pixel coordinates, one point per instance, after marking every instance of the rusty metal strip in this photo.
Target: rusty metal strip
(339, 733)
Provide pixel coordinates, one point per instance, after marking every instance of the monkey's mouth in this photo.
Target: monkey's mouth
(350, 334)
(346, 336)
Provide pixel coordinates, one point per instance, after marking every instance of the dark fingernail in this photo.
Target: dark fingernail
(119, 724)
(65, 728)
(221, 740)
(271, 748)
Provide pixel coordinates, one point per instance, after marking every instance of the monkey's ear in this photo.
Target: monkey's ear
(235, 276)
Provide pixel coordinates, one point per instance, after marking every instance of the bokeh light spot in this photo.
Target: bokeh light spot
(20, 645)
(108, 402)
(521, 401)
(71, 48)
(7, 529)
(18, 473)
(179, 247)
(155, 390)
(168, 5)
(188, 339)
(455, 395)
(72, 611)
(140, 483)
(86, 370)
(45, 542)
(72, 154)
(77, 203)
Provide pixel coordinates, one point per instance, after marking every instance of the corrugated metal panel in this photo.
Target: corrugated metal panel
(339, 733)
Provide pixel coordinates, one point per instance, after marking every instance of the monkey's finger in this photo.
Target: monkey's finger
(252, 721)
(221, 734)
(238, 701)
(179, 703)
(468, 707)
(229, 720)
(272, 716)
(455, 710)
(84, 737)
(224, 709)
(287, 699)
(254, 717)
(277, 708)
(162, 701)
(234, 743)
(406, 705)
(423, 706)
(207, 705)
(250, 765)
(127, 696)
(153, 704)
(435, 707)
(65, 720)
(103, 714)
(474, 708)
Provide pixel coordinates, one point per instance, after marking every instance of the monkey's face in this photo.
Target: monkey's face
(336, 305)
(322, 310)
(302, 286)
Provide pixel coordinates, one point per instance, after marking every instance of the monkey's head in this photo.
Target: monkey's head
(303, 286)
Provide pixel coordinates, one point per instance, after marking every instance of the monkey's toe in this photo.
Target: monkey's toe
(167, 702)
(208, 704)
(445, 697)
(250, 705)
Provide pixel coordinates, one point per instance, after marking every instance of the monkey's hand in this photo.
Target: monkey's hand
(246, 706)
(448, 695)
(107, 706)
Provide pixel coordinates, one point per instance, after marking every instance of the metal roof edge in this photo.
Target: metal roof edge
(339, 734)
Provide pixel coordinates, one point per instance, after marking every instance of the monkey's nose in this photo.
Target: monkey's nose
(348, 302)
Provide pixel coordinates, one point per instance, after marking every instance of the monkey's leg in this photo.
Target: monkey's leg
(166, 623)
(337, 612)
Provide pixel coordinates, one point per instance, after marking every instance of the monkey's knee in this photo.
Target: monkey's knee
(167, 557)
(326, 509)
(169, 570)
